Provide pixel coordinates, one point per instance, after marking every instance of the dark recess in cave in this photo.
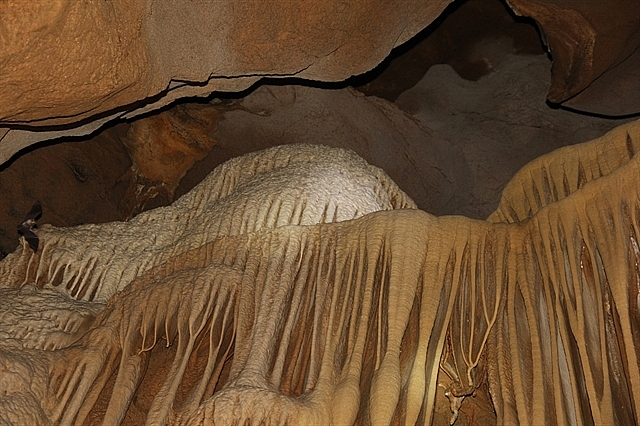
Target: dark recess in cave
(451, 39)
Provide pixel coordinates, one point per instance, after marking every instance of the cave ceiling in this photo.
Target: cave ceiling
(118, 59)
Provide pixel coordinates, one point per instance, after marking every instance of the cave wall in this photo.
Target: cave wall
(67, 68)
(452, 141)
(117, 58)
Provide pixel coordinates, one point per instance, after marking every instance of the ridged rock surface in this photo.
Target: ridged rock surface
(285, 185)
(344, 322)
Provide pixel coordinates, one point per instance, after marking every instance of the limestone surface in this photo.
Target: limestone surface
(339, 322)
(590, 41)
(67, 67)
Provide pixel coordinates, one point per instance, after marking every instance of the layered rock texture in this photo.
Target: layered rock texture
(67, 67)
(247, 312)
(450, 143)
(69, 64)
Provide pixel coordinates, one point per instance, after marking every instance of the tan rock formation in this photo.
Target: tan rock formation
(342, 322)
(428, 168)
(292, 184)
(65, 61)
(71, 62)
(67, 67)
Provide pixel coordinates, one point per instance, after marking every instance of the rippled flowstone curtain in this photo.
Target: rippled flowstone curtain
(298, 292)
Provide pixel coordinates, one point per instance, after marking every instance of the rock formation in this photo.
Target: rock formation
(336, 323)
(499, 123)
(67, 68)
(63, 73)
(300, 284)
(596, 52)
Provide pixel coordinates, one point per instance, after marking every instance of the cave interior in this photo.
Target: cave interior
(451, 115)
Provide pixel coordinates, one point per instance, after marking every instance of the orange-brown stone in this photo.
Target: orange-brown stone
(69, 62)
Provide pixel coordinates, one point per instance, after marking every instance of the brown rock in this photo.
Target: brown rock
(162, 148)
(71, 61)
(422, 163)
(76, 182)
(453, 39)
(616, 92)
(64, 61)
(500, 122)
(586, 39)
